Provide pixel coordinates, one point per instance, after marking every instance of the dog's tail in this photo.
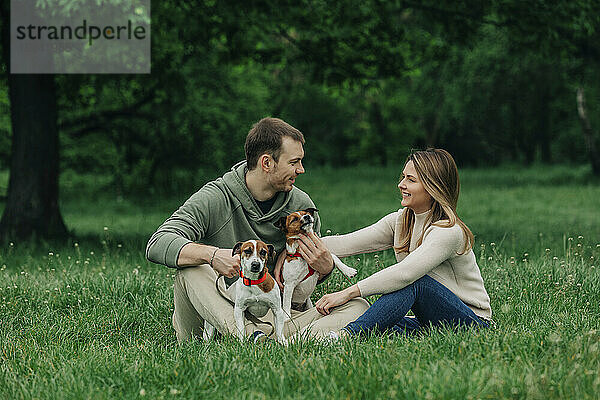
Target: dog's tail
(344, 269)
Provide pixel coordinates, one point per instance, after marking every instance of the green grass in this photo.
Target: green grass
(93, 320)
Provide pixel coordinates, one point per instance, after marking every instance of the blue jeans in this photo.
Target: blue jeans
(432, 303)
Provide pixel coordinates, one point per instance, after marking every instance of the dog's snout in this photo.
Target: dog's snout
(255, 266)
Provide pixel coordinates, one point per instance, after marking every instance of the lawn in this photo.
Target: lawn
(91, 319)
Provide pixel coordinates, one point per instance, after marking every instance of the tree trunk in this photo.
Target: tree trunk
(32, 200)
(588, 134)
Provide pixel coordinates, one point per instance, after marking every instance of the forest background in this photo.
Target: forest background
(493, 82)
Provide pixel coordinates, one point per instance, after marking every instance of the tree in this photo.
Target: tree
(588, 133)
(337, 41)
(366, 47)
(32, 198)
(568, 32)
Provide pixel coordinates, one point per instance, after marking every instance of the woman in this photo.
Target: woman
(436, 275)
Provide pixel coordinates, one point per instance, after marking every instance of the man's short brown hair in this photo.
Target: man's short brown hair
(266, 137)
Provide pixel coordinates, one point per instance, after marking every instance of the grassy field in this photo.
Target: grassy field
(91, 319)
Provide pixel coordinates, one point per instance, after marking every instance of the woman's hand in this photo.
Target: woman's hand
(329, 301)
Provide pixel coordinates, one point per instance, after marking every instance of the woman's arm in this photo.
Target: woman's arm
(379, 236)
(439, 245)
(328, 301)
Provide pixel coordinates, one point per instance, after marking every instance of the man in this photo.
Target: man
(243, 204)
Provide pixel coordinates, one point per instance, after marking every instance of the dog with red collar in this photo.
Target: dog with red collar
(256, 290)
(295, 268)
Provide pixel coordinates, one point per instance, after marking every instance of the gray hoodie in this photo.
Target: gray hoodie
(222, 213)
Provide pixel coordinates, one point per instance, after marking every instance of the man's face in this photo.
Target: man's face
(283, 174)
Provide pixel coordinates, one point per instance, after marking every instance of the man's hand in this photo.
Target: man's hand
(193, 254)
(279, 268)
(314, 252)
(225, 264)
(329, 301)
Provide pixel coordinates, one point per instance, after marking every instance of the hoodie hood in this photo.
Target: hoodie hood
(235, 181)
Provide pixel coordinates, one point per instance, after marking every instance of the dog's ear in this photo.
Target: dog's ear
(311, 211)
(237, 249)
(281, 224)
(272, 253)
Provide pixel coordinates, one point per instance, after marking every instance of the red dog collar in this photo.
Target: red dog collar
(250, 282)
(310, 270)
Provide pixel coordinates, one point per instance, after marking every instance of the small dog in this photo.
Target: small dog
(256, 290)
(295, 269)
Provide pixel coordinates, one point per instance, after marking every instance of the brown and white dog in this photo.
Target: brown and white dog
(295, 269)
(256, 290)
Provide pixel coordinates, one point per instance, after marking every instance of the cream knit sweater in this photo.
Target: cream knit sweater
(437, 256)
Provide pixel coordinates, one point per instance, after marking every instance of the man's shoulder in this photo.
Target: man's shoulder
(211, 191)
(219, 185)
(300, 199)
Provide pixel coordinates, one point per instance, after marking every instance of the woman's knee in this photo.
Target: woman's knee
(425, 280)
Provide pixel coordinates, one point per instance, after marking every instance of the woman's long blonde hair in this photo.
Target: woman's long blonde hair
(438, 174)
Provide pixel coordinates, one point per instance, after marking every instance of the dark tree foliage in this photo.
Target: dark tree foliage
(492, 81)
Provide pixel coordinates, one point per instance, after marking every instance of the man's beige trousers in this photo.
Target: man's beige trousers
(197, 299)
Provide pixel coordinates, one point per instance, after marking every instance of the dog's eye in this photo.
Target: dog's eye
(263, 253)
(248, 251)
(294, 219)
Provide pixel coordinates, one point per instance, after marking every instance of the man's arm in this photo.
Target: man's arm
(173, 244)
(221, 260)
(186, 225)
(325, 259)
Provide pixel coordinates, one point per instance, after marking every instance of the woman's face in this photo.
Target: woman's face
(414, 195)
